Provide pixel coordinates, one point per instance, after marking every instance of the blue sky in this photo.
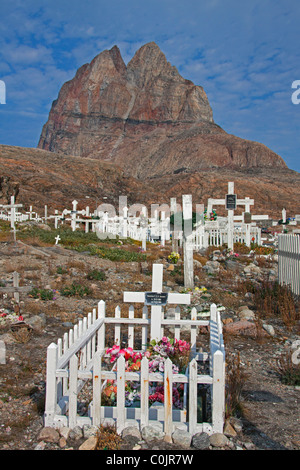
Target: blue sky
(246, 56)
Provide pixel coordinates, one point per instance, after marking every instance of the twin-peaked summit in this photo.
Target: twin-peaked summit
(144, 117)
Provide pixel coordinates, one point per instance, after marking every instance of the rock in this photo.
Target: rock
(62, 442)
(236, 423)
(247, 315)
(171, 267)
(131, 431)
(151, 432)
(212, 267)
(182, 438)
(200, 441)
(218, 440)
(49, 434)
(76, 433)
(162, 109)
(243, 327)
(89, 444)
(229, 430)
(64, 432)
(89, 430)
(37, 322)
(269, 329)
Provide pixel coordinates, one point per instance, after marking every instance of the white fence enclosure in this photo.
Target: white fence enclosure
(77, 362)
(289, 261)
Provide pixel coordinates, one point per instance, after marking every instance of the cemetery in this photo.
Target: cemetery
(94, 306)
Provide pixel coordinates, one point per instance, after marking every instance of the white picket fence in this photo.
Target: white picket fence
(289, 261)
(77, 359)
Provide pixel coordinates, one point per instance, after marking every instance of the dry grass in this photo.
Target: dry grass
(107, 438)
(235, 383)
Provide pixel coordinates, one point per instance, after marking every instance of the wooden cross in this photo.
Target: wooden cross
(157, 299)
(15, 288)
(12, 206)
(230, 202)
(57, 239)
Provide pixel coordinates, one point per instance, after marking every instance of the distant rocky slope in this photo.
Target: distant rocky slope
(38, 177)
(145, 118)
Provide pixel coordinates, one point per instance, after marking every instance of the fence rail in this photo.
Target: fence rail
(289, 261)
(77, 359)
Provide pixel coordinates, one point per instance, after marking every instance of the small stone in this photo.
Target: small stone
(200, 441)
(62, 442)
(48, 434)
(89, 430)
(269, 329)
(40, 446)
(131, 431)
(150, 433)
(137, 447)
(237, 424)
(229, 430)
(64, 432)
(76, 433)
(182, 438)
(89, 444)
(218, 440)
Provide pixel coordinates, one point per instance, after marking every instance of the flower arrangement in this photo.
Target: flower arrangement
(157, 352)
(174, 257)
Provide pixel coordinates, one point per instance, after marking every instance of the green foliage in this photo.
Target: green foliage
(96, 275)
(43, 294)
(75, 290)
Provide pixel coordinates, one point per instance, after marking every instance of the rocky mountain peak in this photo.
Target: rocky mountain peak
(144, 117)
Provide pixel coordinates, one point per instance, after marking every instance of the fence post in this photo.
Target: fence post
(144, 392)
(51, 384)
(73, 391)
(144, 330)
(121, 394)
(101, 331)
(193, 396)
(168, 397)
(97, 389)
(218, 392)
(131, 327)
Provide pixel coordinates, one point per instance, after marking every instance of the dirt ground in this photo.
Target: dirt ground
(270, 409)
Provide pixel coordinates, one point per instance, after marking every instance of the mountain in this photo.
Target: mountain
(145, 118)
(38, 177)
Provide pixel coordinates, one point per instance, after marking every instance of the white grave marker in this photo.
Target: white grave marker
(156, 299)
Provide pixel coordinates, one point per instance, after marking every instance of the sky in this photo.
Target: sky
(246, 56)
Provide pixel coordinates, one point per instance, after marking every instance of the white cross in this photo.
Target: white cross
(247, 202)
(57, 239)
(156, 310)
(12, 206)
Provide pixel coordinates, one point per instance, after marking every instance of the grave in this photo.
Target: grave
(156, 299)
(16, 289)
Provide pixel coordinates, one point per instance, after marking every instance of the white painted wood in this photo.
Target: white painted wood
(218, 394)
(118, 326)
(192, 396)
(121, 394)
(97, 389)
(131, 327)
(144, 392)
(73, 391)
(168, 400)
(51, 389)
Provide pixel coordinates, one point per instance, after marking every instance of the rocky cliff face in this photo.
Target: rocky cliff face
(145, 118)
